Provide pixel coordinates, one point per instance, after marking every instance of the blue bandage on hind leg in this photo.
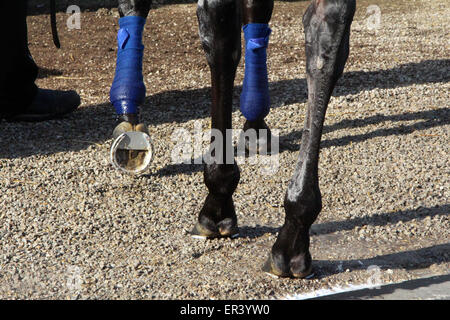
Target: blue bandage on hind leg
(128, 89)
(255, 99)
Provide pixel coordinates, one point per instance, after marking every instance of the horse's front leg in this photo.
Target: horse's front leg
(127, 92)
(327, 31)
(219, 29)
(255, 99)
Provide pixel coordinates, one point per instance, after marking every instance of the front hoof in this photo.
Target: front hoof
(224, 229)
(279, 268)
(272, 270)
(263, 143)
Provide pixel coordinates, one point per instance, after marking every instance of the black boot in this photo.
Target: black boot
(47, 105)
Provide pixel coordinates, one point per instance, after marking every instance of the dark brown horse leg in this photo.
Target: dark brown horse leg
(257, 12)
(219, 29)
(327, 31)
(139, 8)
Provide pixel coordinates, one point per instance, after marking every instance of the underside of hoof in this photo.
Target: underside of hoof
(200, 232)
(131, 150)
(271, 269)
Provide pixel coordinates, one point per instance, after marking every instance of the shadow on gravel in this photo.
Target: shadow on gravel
(380, 219)
(47, 73)
(183, 105)
(94, 124)
(256, 232)
(78, 131)
(432, 118)
(409, 260)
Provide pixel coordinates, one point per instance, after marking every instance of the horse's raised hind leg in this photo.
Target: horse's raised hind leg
(128, 89)
(219, 29)
(327, 31)
(255, 99)
(127, 92)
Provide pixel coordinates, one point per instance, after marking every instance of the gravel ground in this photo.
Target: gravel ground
(71, 227)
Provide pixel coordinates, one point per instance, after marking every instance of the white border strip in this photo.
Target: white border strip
(335, 290)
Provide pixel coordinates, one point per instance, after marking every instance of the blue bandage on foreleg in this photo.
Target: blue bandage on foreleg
(128, 89)
(255, 99)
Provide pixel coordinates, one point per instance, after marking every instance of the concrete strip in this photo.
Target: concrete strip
(432, 288)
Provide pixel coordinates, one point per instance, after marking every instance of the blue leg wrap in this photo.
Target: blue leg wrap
(255, 99)
(128, 89)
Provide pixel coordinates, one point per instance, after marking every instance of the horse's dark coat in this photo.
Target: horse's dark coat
(327, 31)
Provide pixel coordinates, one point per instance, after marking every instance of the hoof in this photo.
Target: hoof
(131, 150)
(200, 232)
(272, 270)
(263, 142)
(126, 126)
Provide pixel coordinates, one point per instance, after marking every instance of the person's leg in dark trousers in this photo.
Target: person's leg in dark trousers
(20, 98)
(17, 69)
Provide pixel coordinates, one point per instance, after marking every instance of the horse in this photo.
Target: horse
(327, 32)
